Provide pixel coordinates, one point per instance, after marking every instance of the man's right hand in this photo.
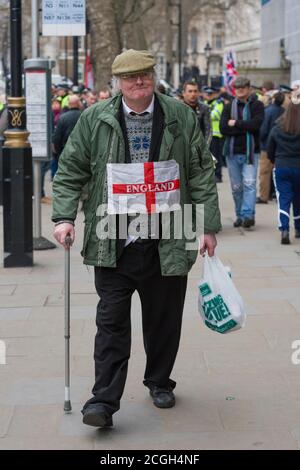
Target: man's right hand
(62, 230)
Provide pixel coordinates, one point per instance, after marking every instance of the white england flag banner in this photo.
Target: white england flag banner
(143, 188)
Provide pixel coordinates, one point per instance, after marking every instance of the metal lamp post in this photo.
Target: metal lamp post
(178, 5)
(17, 160)
(75, 59)
(207, 51)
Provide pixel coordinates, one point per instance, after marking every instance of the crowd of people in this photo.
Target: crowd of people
(256, 135)
(67, 105)
(238, 130)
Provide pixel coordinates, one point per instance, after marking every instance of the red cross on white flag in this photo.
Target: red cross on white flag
(144, 188)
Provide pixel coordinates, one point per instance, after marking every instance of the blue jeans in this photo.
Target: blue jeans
(45, 166)
(243, 184)
(287, 184)
(54, 166)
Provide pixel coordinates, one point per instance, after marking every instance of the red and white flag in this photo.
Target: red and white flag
(88, 73)
(143, 188)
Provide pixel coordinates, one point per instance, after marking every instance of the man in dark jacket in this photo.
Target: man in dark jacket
(190, 96)
(272, 113)
(240, 124)
(66, 124)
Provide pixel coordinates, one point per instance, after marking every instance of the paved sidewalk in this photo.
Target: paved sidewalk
(239, 391)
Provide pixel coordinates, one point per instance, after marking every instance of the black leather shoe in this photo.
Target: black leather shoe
(95, 415)
(248, 223)
(260, 201)
(238, 223)
(297, 234)
(285, 237)
(162, 397)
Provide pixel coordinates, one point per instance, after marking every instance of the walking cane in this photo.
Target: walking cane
(67, 404)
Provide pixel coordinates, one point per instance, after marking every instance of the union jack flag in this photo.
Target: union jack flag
(230, 72)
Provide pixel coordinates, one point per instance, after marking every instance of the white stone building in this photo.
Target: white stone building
(243, 32)
(237, 29)
(281, 36)
(206, 28)
(292, 36)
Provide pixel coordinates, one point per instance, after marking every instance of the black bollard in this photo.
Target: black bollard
(17, 161)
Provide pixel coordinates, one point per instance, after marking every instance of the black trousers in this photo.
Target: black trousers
(162, 300)
(216, 148)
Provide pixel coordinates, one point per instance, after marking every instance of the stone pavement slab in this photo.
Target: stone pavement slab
(43, 391)
(242, 415)
(19, 313)
(7, 289)
(46, 443)
(6, 413)
(13, 301)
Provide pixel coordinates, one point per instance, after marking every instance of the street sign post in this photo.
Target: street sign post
(39, 122)
(17, 161)
(64, 17)
(38, 106)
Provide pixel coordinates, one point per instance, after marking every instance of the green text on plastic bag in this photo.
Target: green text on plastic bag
(216, 312)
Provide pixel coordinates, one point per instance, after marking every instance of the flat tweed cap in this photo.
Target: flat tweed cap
(131, 62)
(241, 82)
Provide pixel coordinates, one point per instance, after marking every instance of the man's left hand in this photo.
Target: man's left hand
(231, 123)
(208, 243)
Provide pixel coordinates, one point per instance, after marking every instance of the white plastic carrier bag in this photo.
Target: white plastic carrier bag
(220, 305)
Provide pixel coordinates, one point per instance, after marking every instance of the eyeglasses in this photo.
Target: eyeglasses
(133, 77)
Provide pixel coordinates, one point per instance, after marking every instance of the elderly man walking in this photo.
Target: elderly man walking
(137, 132)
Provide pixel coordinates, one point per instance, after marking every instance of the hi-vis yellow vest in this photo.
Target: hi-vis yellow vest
(65, 101)
(216, 110)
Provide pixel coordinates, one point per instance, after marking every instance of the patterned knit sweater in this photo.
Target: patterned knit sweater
(139, 131)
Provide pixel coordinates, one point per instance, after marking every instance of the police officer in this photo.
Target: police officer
(216, 105)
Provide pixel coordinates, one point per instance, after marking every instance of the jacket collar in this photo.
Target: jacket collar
(110, 113)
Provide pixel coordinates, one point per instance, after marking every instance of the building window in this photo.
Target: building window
(218, 36)
(219, 42)
(194, 40)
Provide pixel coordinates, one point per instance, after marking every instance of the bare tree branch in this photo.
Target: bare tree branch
(137, 11)
(131, 11)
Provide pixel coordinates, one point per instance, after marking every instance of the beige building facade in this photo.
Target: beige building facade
(206, 41)
(243, 33)
(255, 32)
(237, 28)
